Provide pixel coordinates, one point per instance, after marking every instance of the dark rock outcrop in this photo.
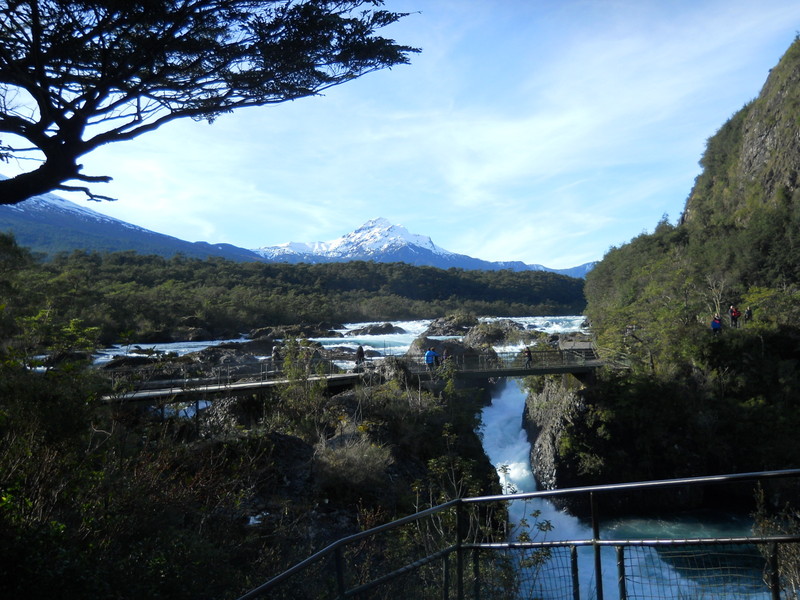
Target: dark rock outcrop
(376, 329)
(493, 333)
(454, 349)
(547, 415)
(451, 325)
(551, 415)
(303, 330)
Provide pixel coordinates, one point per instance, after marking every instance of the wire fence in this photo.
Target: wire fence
(470, 549)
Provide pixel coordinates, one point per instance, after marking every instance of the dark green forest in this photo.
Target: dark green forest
(147, 297)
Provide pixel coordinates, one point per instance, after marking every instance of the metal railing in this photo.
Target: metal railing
(469, 548)
(176, 379)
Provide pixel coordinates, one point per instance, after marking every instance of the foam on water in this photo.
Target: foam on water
(507, 446)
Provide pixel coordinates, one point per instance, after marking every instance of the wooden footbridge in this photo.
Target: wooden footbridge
(145, 384)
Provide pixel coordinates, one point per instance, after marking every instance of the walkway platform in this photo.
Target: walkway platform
(146, 387)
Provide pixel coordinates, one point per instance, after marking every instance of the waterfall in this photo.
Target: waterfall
(508, 449)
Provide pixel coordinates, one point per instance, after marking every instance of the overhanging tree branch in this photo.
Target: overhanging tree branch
(78, 74)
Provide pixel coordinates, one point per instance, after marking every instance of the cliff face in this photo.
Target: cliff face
(552, 415)
(689, 402)
(754, 159)
(548, 413)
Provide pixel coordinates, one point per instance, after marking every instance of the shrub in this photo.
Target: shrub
(351, 467)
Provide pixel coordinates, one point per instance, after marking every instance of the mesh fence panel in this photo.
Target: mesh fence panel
(316, 582)
(536, 573)
(693, 571)
(686, 571)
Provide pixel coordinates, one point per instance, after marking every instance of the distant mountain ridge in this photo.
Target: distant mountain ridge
(50, 224)
(381, 241)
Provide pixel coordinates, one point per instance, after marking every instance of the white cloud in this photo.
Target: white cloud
(526, 130)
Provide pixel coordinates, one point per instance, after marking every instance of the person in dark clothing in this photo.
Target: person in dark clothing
(528, 358)
(276, 358)
(359, 355)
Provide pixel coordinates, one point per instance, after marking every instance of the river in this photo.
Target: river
(507, 447)
(506, 444)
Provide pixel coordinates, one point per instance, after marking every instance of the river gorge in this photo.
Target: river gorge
(507, 446)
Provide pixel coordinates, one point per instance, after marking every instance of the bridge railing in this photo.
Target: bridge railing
(468, 549)
(506, 363)
(183, 377)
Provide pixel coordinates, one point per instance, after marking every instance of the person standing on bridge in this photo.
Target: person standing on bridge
(528, 358)
(431, 359)
(276, 358)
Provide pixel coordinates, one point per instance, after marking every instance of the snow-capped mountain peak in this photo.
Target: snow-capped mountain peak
(379, 235)
(50, 224)
(380, 241)
(376, 236)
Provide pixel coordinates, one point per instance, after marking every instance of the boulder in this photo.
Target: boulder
(303, 330)
(461, 353)
(376, 329)
(261, 345)
(223, 355)
(129, 362)
(451, 325)
(494, 333)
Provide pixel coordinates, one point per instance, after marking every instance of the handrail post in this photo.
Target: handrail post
(459, 550)
(598, 567)
(476, 574)
(623, 589)
(576, 584)
(445, 577)
(774, 575)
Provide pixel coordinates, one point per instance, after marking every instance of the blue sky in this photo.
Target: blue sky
(542, 131)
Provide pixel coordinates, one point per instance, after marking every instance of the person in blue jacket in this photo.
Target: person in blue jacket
(716, 324)
(431, 357)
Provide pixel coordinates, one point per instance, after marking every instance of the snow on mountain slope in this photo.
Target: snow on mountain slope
(50, 203)
(375, 237)
(381, 241)
(50, 224)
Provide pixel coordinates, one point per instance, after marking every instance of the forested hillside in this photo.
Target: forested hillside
(686, 401)
(148, 298)
(738, 242)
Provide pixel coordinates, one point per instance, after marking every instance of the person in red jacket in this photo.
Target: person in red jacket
(734, 314)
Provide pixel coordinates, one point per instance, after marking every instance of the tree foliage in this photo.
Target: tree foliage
(149, 298)
(75, 75)
(108, 500)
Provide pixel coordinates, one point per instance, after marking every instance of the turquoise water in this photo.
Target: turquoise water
(687, 573)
